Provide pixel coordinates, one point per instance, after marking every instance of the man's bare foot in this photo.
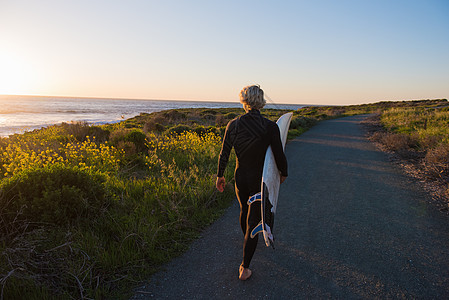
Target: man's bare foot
(244, 273)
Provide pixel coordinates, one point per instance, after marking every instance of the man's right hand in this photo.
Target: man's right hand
(283, 178)
(220, 184)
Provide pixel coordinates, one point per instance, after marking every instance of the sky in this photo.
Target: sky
(330, 52)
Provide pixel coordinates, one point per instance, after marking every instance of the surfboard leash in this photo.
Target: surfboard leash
(271, 101)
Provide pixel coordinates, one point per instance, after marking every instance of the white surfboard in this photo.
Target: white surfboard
(270, 186)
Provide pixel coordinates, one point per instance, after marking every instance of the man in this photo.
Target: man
(250, 135)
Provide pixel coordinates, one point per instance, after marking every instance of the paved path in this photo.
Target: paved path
(349, 225)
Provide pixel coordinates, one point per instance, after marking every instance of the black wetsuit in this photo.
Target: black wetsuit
(250, 135)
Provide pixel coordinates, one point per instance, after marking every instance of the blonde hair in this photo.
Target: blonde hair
(252, 97)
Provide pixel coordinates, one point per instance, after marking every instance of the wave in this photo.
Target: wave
(24, 113)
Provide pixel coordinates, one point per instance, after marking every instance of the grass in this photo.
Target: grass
(85, 218)
(420, 135)
(91, 211)
(428, 126)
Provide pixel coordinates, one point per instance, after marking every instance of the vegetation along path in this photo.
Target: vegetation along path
(349, 225)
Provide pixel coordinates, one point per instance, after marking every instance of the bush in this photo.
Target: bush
(138, 138)
(396, 142)
(54, 194)
(175, 115)
(230, 115)
(123, 138)
(292, 133)
(209, 117)
(78, 129)
(209, 112)
(302, 122)
(100, 134)
(220, 120)
(437, 161)
(213, 129)
(200, 130)
(179, 129)
(429, 141)
(151, 125)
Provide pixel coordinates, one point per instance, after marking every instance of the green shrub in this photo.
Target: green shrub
(54, 194)
(200, 130)
(220, 120)
(230, 115)
(209, 112)
(129, 140)
(292, 133)
(78, 129)
(213, 129)
(175, 115)
(179, 129)
(138, 138)
(302, 122)
(100, 134)
(151, 125)
(209, 117)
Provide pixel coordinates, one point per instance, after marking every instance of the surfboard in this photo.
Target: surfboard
(270, 186)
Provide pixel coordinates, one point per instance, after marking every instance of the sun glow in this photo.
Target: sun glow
(16, 76)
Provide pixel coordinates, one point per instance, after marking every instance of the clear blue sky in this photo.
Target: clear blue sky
(305, 52)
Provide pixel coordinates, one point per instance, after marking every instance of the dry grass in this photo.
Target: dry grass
(436, 161)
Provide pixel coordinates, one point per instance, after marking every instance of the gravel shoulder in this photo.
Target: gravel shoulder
(349, 224)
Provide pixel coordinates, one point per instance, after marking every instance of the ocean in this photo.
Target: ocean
(25, 113)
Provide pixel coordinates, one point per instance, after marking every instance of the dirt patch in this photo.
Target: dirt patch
(416, 164)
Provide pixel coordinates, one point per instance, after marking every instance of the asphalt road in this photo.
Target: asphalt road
(349, 225)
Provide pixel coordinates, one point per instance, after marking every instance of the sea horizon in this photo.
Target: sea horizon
(21, 113)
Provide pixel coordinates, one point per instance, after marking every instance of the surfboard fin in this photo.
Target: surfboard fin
(255, 197)
(256, 230)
